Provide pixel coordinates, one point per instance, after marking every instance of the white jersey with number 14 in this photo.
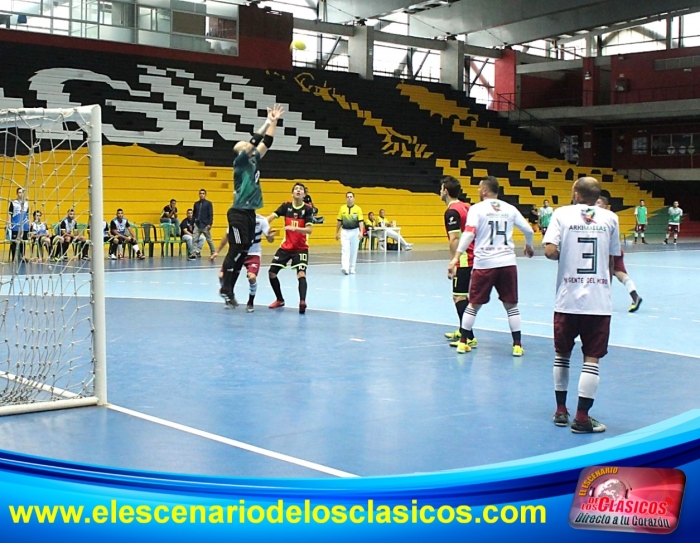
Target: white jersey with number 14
(493, 222)
(587, 236)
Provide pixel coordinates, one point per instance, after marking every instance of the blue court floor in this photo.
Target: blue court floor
(364, 383)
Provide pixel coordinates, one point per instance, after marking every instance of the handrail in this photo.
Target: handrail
(532, 124)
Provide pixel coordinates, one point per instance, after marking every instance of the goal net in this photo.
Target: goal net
(52, 311)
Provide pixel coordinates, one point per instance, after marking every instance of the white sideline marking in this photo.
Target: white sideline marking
(232, 442)
(357, 339)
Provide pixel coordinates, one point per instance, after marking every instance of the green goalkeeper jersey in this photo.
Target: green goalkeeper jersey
(641, 213)
(545, 216)
(674, 215)
(246, 181)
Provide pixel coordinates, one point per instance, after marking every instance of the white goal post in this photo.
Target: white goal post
(52, 297)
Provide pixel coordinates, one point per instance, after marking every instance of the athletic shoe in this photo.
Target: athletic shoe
(276, 304)
(141, 256)
(85, 257)
(561, 419)
(675, 241)
(112, 257)
(302, 307)
(518, 350)
(352, 271)
(591, 426)
(199, 255)
(463, 348)
(644, 241)
(666, 241)
(473, 343)
(345, 272)
(636, 304)
(635, 240)
(191, 257)
(453, 335)
(227, 296)
(249, 308)
(232, 303)
(408, 247)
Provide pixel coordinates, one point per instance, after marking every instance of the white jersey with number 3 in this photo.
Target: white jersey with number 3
(493, 222)
(587, 236)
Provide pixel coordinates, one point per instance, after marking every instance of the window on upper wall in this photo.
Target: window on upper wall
(640, 145)
(674, 144)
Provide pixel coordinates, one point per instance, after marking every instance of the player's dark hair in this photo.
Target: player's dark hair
(491, 183)
(298, 185)
(603, 199)
(349, 192)
(452, 186)
(119, 209)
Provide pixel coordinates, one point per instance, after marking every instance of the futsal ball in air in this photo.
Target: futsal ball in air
(298, 45)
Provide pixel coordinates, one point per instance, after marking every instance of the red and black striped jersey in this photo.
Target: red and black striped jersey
(295, 216)
(456, 221)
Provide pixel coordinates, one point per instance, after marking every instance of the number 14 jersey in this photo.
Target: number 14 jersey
(587, 236)
(492, 222)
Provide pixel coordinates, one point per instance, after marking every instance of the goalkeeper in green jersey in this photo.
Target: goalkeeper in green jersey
(247, 198)
(675, 214)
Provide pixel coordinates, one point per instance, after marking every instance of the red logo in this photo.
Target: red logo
(620, 499)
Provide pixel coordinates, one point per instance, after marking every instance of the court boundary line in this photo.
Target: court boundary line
(403, 319)
(231, 442)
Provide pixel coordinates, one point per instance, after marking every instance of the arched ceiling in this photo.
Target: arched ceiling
(496, 23)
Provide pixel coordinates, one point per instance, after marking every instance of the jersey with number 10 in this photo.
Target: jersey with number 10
(587, 236)
(493, 220)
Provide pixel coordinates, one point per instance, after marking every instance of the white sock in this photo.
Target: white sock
(561, 373)
(630, 285)
(468, 318)
(589, 380)
(514, 320)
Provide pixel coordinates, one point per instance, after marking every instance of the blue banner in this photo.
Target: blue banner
(530, 499)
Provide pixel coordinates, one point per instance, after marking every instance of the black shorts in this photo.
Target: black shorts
(241, 227)
(460, 282)
(299, 260)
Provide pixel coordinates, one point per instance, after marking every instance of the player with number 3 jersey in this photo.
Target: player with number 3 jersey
(490, 225)
(583, 238)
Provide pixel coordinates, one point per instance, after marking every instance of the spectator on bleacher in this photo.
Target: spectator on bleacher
(352, 223)
(69, 233)
(187, 234)
(39, 235)
(203, 217)
(122, 234)
(307, 200)
(370, 224)
(533, 217)
(386, 232)
(169, 216)
(18, 222)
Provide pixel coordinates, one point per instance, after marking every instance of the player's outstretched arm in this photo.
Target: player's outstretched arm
(223, 243)
(268, 128)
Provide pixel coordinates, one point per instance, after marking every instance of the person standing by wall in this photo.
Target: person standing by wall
(203, 218)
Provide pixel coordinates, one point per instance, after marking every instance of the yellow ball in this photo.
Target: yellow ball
(298, 45)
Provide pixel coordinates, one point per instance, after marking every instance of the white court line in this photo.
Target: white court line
(232, 442)
(403, 319)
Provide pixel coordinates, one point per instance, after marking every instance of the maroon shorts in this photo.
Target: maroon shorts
(641, 228)
(504, 279)
(673, 228)
(619, 264)
(252, 264)
(594, 331)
